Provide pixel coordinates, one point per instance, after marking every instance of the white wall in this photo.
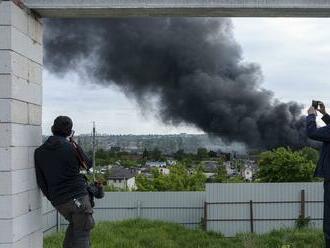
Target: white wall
(20, 126)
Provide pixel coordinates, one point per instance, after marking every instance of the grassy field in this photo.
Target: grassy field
(156, 234)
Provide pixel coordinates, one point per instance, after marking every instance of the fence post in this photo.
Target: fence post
(251, 217)
(58, 221)
(205, 216)
(302, 203)
(138, 208)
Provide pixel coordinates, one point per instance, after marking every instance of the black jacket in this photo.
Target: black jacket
(320, 134)
(58, 171)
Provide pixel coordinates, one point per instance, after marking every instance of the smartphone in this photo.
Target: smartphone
(315, 104)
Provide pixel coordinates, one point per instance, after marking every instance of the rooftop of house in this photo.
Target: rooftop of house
(122, 173)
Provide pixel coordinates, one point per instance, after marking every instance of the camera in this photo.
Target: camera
(316, 104)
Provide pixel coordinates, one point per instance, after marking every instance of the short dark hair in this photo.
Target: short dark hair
(62, 126)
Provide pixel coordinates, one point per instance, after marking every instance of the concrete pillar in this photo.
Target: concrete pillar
(20, 126)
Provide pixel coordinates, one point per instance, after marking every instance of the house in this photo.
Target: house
(210, 166)
(171, 162)
(157, 164)
(247, 173)
(122, 178)
(164, 171)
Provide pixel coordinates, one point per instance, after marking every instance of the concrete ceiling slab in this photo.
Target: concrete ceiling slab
(222, 8)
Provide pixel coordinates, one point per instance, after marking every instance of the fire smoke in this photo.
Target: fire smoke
(193, 65)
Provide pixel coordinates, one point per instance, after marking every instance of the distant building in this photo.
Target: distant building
(171, 162)
(122, 178)
(115, 148)
(155, 164)
(209, 174)
(210, 166)
(247, 173)
(164, 171)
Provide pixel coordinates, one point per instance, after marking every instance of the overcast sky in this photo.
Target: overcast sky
(294, 55)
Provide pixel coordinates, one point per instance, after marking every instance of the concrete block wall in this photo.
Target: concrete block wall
(20, 126)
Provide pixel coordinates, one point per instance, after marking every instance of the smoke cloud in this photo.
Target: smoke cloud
(193, 65)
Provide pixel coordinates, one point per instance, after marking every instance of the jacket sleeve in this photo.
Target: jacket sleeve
(319, 134)
(326, 119)
(41, 179)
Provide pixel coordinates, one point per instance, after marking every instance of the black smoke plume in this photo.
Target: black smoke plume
(193, 65)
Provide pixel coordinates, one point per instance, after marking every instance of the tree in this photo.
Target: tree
(221, 175)
(202, 153)
(179, 179)
(284, 165)
(212, 154)
(179, 154)
(143, 183)
(310, 154)
(145, 154)
(156, 154)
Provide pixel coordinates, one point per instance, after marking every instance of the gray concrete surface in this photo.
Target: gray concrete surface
(230, 8)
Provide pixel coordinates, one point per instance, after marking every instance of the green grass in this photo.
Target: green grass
(157, 234)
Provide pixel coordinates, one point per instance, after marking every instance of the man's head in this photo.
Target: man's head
(62, 126)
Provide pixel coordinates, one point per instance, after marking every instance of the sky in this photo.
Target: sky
(294, 55)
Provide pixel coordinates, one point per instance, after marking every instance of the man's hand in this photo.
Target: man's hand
(311, 111)
(322, 109)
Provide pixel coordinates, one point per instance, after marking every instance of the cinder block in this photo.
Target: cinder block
(11, 62)
(6, 234)
(35, 29)
(26, 135)
(27, 224)
(5, 135)
(13, 230)
(5, 13)
(16, 158)
(13, 111)
(18, 88)
(5, 85)
(19, 204)
(5, 110)
(19, 18)
(31, 156)
(34, 114)
(35, 72)
(33, 240)
(5, 34)
(5, 159)
(11, 14)
(26, 91)
(12, 134)
(14, 182)
(5, 62)
(24, 45)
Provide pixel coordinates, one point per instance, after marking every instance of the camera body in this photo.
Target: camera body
(316, 104)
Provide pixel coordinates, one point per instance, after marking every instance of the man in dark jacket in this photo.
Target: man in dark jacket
(58, 176)
(323, 167)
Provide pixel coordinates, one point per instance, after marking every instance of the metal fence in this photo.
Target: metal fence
(225, 208)
(50, 218)
(261, 207)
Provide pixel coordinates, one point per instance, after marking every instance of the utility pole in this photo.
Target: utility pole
(94, 150)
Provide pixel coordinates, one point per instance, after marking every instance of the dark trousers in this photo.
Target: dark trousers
(326, 213)
(79, 213)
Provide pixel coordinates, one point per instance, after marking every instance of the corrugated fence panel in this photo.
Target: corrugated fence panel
(274, 206)
(49, 217)
(179, 207)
